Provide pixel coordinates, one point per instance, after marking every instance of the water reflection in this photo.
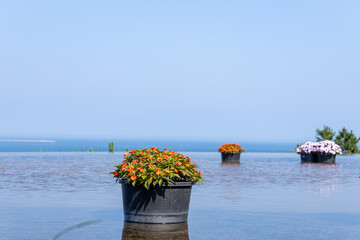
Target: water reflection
(134, 231)
(323, 177)
(230, 163)
(228, 175)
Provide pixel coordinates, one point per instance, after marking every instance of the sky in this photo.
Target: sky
(193, 70)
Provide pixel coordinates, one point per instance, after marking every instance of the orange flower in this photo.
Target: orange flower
(159, 159)
(188, 159)
(187, 165)
(126, 155)
(194, 163)
(133, 177)
(167, 171)
(201, 173)
(150, 165)
(175, 170)
(178, 163)
(123, 170)
(115, 173)
(166, 149)
(141, 170)
(132, 151)
(159, 173)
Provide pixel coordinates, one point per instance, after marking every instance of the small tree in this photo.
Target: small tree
(347, 141)
(325, 134)
(111, 147)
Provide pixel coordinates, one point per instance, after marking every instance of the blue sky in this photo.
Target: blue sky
(194, 70)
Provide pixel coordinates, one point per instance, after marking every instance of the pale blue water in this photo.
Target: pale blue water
(72, 145)
(267, 196)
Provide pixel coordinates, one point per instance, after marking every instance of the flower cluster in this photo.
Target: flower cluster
(154, 167)
(324, 147)
(231, 148)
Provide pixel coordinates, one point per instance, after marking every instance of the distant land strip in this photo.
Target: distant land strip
(45, 141)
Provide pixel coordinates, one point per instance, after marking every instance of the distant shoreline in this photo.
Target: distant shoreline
(46, 141)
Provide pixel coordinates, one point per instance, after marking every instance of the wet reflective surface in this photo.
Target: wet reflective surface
(266, 196)
(133, 231)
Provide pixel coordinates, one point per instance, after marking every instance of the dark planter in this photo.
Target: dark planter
(308, 158)
(230, 157)
(324, 158)
(133, 231)
(165, 204)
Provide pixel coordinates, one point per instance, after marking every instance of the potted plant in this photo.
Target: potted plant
(306, 152)
(326, 151)
(156, 185)
(230, 152)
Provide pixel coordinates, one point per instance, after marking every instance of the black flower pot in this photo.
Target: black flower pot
(165, 204)
(230, 157)
(308, 158)
(325, 158)
(132, 231)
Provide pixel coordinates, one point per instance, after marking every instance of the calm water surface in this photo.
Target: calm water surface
(267, 196)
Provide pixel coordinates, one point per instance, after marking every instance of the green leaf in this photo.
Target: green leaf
(155, 182)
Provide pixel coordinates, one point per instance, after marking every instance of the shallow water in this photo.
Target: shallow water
(267, 196)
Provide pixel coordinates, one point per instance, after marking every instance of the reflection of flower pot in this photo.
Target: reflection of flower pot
(230, 157)
(308, 158)
(165, 204)
(326, 158)
(155, 231)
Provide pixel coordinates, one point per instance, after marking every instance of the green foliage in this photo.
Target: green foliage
(347, 141)
(324, 134)
(231, 148)
(90, 150)
(154, 167)
(297, 145)
(111, 147)
(126, 149)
